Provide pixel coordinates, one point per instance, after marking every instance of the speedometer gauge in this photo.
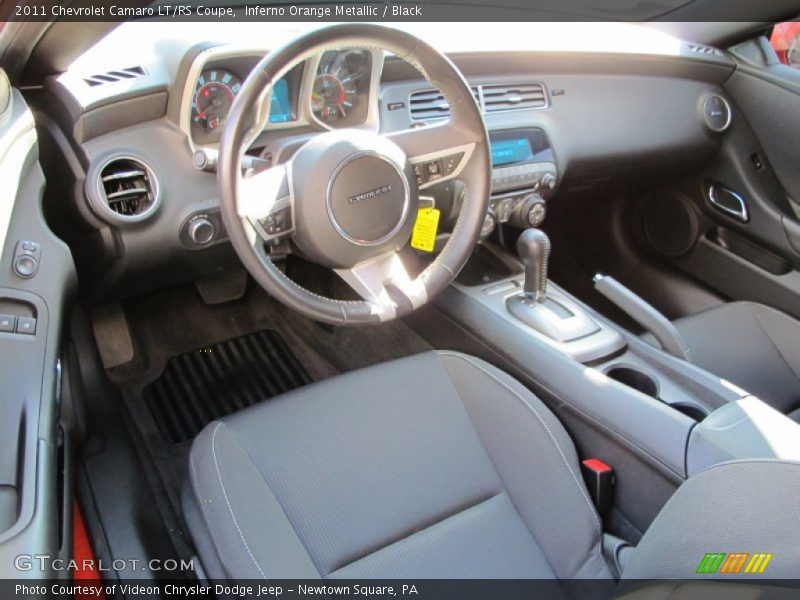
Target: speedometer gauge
(213, 97)
(334, 95)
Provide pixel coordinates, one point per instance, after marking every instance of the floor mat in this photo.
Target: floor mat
(211, 382)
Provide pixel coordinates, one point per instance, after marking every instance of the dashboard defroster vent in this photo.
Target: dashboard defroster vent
(115, 76)
(430, 104)
(128, 188)
(706, 50)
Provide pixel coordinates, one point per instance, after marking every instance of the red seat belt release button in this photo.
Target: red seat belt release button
(599, 478)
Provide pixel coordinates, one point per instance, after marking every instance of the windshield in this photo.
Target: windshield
(143, 41)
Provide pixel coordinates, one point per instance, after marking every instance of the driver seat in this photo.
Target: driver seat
(441, 466)
(435, 465)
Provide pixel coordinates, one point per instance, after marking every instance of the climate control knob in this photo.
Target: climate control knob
(201, 231)
(530, 212)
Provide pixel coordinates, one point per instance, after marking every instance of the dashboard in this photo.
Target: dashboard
(557, 125)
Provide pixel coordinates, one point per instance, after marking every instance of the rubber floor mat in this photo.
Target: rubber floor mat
(208, 383)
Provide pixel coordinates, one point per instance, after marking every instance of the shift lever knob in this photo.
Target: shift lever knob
(533, 247)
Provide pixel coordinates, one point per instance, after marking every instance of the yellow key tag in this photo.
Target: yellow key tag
(424, 234)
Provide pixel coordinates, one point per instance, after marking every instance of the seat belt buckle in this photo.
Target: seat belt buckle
(599, 478)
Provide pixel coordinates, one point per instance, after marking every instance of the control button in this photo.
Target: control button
(278, 221)
(504, 210)
(536, 214)
(489, 223)
(7, 323)
(451, 162)
(529, 211)
(201, 231)
(549, 182)
(418, 174)
(25, 266)
(205, 159)
(26, 325)
(433, 170)
(27, 255)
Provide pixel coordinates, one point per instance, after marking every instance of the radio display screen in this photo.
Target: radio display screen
(510, 151)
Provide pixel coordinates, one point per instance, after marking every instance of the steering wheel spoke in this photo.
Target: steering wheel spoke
(384, 281)
(266, 201)
(437, 152)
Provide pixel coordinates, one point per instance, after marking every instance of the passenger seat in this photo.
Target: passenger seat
(751, 345)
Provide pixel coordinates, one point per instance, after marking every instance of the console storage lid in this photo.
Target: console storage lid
(746, 508)
(745, 429)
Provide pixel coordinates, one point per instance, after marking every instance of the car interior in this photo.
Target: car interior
(387, 302)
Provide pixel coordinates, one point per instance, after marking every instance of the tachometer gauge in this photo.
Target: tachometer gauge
(213, 97)
(334, 95)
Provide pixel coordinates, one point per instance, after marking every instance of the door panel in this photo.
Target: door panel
(757, 258)
(32, 307)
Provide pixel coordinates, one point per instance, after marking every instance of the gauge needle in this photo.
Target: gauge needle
(200, 115)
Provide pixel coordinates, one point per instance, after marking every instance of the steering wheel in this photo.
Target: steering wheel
(348, 199)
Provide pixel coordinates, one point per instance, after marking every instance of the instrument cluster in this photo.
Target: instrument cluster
(337, 96)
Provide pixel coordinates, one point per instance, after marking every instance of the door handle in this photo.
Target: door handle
(728, 202)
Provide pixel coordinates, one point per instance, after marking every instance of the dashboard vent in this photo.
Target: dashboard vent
(705, 50)
(431, 104)
(115, 76)
(129, 187)
(513, 97)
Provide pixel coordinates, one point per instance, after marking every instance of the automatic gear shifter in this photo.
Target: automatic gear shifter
(533, 247)
(549, 314)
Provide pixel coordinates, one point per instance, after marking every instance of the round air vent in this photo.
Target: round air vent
(717, 113)
(126, 190)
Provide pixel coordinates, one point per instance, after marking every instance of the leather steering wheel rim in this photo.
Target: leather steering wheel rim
(465, 128)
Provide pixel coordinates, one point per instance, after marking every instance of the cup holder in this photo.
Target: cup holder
(691, 411)
(644, 383)
(635, 379)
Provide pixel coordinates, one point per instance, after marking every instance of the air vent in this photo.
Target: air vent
(706, 50)
(128, 188)
(115, 76)
(431, 104)
(513, 97)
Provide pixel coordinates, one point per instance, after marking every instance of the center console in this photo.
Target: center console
(655, 417)
(548, 316)
(644, 408)
(524, 176)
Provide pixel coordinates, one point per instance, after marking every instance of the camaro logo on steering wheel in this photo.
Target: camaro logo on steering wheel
(370, 194)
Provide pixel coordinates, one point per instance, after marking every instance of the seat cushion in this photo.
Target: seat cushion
(431, 466)
(751, 345)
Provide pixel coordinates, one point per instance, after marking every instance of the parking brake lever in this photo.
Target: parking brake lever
(645, 314)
